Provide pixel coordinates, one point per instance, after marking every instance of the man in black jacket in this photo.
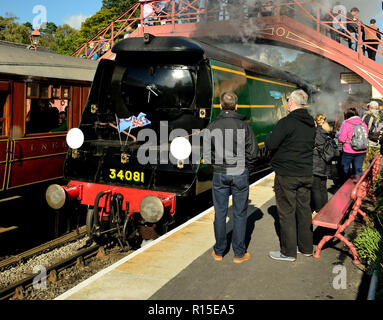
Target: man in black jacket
(291, 144)
(352, 27)
(231, 147)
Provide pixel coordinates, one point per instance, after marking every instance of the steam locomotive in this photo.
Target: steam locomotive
(176, 83)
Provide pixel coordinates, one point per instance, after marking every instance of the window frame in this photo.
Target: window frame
(31, 96)
(5, 88)
(52, 85)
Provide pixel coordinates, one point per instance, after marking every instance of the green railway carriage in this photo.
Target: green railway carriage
(261, 99)
(177, 83)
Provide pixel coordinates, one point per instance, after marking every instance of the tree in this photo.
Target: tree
(48, 34)
(65, 40)
(118, 5)
(49, 28)
(28, 25)
(12, 31)
(99, 21)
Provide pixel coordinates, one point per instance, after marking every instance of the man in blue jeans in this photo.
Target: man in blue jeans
(231, 147)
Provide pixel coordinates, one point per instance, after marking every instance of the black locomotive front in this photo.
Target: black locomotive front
(166, 79)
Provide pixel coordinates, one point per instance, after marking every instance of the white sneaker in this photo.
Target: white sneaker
(305, 254)
(277, 255)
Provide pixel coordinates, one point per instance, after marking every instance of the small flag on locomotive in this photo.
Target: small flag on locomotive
(132, 122)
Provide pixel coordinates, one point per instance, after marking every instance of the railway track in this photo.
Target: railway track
(18, 289)
(72, 236)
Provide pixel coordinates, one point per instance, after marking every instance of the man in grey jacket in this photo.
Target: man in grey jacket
(231, 147)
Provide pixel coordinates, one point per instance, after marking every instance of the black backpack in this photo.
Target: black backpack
(330, 150)
(374, 125)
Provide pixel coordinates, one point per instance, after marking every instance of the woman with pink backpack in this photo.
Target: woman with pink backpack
(354, 136)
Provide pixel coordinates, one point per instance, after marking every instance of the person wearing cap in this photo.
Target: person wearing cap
(371, 119)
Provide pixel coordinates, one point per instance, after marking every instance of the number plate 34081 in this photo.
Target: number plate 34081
(127, 175)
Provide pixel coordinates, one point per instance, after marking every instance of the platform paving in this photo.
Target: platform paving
(180, 267)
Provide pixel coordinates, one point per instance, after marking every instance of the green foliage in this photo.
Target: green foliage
(96, 23)
(48, 35)
(64, 39)
(110, 10)
(378, 192)
(119, 5)
(369, 245)
(49, 28)
(12, 31)
(28, 25)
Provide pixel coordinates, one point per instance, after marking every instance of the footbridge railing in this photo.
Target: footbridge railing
(185, 17)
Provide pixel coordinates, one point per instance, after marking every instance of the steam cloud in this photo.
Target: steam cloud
(314, 69)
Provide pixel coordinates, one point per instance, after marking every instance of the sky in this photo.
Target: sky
(72, 12)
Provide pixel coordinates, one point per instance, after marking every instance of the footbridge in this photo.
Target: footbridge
(306, 25)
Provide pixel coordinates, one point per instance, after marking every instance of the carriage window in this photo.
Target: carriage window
(46, 115)
(47, 107)
(65, 92)
(33, 90)
(45, 91)
(3, 100)
(56, 92)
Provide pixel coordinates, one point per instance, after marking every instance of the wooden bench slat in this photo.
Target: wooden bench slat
(331, 215)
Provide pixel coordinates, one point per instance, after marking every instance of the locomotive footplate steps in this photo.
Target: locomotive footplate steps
(179, 265)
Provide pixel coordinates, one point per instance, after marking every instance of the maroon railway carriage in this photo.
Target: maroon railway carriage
(42, 94)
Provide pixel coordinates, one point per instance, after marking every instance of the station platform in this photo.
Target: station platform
(179, 265)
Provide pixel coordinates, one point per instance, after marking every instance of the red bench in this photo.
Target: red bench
(349, 196)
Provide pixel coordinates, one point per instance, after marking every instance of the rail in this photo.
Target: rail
(74, 235)
(312, 13)
(17, 290)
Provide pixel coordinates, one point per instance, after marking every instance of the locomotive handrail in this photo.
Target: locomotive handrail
(169, 12)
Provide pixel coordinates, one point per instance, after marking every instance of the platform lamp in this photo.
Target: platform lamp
(35, 38)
